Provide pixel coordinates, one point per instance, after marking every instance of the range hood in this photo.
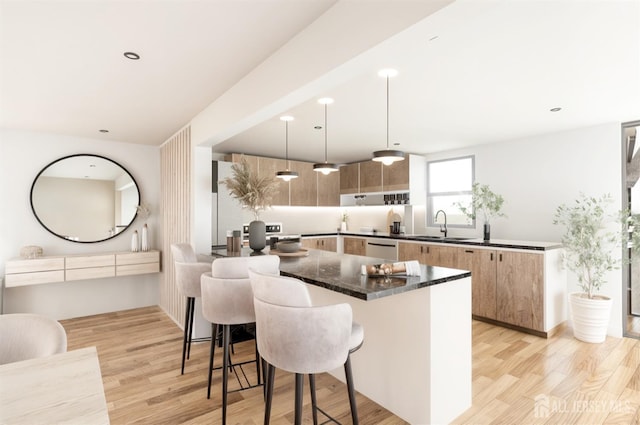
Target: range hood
(375, 198)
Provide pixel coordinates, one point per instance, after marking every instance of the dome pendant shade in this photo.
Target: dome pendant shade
(286, 175)
(325, 168)
(388, 156)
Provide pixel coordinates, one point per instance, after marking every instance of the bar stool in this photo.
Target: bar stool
(227, 299)
(188, 271)
(297, 337)
(28, 336)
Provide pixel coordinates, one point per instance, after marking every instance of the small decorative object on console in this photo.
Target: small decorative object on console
(31, 251)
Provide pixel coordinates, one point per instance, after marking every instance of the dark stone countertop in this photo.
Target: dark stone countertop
(493, 243)
(341, 273)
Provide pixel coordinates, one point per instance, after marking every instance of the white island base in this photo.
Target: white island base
(416, 358)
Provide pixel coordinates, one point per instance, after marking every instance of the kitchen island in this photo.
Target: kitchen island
(416, 357)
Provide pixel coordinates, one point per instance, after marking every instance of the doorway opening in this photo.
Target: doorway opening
(631, 275)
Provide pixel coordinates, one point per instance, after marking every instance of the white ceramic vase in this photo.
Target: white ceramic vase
(590, 317)
(135, 244)
(343, 226)
(144, 241)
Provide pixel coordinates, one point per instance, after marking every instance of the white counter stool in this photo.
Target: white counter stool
(227, 299)
(297, 337)
(188, 271)
(27, 336)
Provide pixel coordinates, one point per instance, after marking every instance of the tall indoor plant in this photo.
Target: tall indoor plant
(254, 193)
(485, 202)
(588, 254)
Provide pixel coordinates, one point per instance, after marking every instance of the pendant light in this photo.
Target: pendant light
(287, 175)
(388, 156)
(326, 167)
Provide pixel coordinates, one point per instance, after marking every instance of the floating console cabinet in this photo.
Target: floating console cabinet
(22, 272)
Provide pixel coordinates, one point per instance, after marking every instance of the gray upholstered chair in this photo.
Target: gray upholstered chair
(26, 336)
(188, 271)
(227, 299)
(297, 337)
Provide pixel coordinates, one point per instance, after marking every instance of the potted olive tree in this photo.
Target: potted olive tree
(588, 254)
(486, 203)
(254, 193)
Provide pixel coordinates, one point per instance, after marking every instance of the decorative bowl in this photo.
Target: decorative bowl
(288, 246)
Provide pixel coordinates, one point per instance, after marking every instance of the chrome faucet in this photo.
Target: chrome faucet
(442, 229)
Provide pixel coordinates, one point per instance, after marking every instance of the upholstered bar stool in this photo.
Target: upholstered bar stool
(297, 337)
(188, 271)
(227, 299)
(27, 336)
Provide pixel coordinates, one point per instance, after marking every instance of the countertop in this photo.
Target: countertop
(341, 273)
(493, 243)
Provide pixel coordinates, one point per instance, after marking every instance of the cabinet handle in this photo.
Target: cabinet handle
(421, 251)
(492, 256)
(500, 257)
(428, 250)
(468, 251)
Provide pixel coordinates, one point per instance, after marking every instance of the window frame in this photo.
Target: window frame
(430, 213)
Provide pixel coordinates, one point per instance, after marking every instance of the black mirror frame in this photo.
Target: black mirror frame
(72, 156)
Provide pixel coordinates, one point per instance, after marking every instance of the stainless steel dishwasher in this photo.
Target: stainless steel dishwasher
(382, 248)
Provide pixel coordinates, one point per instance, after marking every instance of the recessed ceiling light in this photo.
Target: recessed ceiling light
(433, 38)
(104, 131)
(92, 165)
(396, 144)
(131, 55)
(318, 127)
(555, 109)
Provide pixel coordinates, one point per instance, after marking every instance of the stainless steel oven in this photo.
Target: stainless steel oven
(272, 229)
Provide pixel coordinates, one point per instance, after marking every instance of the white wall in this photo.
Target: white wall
(22, 156)
(537, 174)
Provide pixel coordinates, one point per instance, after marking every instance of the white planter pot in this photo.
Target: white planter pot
(590, 317)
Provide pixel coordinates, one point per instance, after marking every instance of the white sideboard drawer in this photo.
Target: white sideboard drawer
(35, 278)
(34, 265)
(131, 269)
(90, 273)
(85, 261)
(137, 258)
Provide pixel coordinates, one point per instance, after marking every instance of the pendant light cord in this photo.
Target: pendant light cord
(325, 133)
(387, 111)
(286, 144)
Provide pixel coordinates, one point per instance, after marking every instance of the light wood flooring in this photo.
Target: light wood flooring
(517, 378)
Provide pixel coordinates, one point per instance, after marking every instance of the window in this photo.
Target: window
(448, 182)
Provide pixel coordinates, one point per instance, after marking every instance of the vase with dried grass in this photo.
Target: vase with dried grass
(254, 193)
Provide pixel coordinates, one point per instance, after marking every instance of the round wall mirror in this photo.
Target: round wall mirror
(85, 198)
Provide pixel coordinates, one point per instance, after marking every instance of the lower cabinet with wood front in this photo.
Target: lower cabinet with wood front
(329, 243)
(522, 289)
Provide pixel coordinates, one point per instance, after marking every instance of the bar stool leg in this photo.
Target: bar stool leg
(299, 387)
(226, 336)
(214, 334)
(186, 333)
(271, 375)
(352, 392)
(191, 311)
(314, 401)
(258, 374)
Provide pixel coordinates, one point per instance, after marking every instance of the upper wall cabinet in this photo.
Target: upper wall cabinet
(309, 189)
(350, 178)
(395, 177)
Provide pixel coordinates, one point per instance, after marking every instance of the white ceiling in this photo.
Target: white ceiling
(493, 72)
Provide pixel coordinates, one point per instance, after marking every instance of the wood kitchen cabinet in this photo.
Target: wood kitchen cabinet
(395, 177)
(520, 289)
(328, 189)
(370, 176)
(432, 255)
(482, 264)
(350, 178)
(323, 243)
(268, 167)
(354, 246)
(512, 288)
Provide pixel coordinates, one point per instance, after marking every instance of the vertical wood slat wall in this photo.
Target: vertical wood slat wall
(175, 207)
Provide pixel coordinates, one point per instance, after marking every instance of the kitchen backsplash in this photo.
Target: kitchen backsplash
(306, 220)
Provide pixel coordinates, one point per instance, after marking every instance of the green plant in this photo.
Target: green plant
(586, 240)
(254, 193)
(483, 200)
